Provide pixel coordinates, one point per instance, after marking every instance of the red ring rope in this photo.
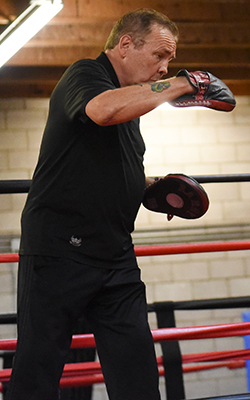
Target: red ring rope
(182, 333)
(235, 359)
(155, 250)
(159, 335)
(89, 373)
(191, 248)
(79, 375)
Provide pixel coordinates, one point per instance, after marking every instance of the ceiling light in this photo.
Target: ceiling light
(24, 27)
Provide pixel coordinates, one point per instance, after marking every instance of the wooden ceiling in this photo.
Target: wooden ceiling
(214, 36)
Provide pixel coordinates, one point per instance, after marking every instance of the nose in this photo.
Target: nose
(163, 70)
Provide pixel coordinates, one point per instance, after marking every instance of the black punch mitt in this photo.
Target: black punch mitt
(176, 194)
(210, 92)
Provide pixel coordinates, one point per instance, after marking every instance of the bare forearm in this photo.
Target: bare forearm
(123, 104)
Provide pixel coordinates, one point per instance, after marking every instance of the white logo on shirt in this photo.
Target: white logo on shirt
(77, 242)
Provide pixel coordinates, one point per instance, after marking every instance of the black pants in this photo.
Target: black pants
(52, 294)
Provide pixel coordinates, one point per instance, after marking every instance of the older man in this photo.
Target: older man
(76, 254)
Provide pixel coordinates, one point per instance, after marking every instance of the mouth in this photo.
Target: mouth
(155, 79)
(165, 76)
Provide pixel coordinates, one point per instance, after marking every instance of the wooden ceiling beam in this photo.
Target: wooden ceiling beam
(214, 36)
(184, 10)
(236, 56)
(40, 81)
(214, 32)
(53, 56)
(29, 81)
(190, 33)
(13, 7)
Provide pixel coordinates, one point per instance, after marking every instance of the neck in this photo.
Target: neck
(117, 65)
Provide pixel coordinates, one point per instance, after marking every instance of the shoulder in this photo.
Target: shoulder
(86, 65)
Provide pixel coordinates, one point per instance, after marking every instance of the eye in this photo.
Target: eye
(159, 56)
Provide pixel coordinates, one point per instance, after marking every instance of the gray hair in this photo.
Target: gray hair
(138, 24)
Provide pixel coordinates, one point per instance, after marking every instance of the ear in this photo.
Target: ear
(124, 44)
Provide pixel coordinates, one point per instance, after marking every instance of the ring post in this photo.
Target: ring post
(246, 318)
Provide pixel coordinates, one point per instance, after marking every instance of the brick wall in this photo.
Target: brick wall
(191, 141)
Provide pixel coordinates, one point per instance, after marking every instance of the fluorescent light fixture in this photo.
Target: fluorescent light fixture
(24, 27)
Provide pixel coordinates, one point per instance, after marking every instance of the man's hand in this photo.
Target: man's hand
(209, 91)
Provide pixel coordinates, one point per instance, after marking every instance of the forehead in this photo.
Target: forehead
(162, 39)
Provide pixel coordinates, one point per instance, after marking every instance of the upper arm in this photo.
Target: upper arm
(85, 80)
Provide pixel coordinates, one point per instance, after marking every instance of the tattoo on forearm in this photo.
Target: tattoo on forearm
(159, 86)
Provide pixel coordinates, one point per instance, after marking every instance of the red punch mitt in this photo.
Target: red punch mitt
(209, 92)
(176, 194)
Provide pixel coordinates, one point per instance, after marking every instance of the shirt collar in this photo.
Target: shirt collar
(104, 60)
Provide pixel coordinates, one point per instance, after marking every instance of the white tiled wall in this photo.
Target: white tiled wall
(191, 141)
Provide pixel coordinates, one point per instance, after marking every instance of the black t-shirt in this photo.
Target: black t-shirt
(89, 181)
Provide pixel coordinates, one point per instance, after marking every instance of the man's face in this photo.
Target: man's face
(150, 62)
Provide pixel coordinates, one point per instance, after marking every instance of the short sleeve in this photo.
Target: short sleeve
(84, 80)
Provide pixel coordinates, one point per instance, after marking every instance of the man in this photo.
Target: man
(76, 253)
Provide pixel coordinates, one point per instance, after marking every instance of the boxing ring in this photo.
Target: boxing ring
(171, 364)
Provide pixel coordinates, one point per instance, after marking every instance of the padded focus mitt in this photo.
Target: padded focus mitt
(209, 92)
(176, 194)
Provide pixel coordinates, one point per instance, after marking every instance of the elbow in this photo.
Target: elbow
(101, 113)
(103, 120)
